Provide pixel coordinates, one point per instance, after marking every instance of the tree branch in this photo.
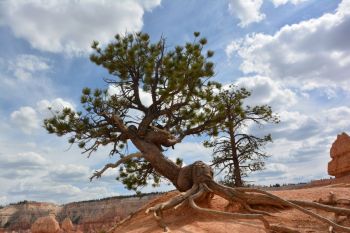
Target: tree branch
(98, 174)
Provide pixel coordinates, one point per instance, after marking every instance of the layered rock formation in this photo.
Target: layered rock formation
(339, 166)
(23, 214)
(92, 215)
(49, 224)
(86, 215)
(46, 224)
(67, 225)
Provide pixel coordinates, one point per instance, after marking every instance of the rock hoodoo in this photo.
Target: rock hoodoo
(339, 166)
(45, 225)
(67, 225)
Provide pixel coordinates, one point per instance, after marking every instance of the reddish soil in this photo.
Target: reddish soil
(187, 220)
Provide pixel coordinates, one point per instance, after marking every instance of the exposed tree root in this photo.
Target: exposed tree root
(284, 229)
(197, 179)
(196, 192)
(120, 223)
(333, 200)
(302, 209)
(245, 197)
(203, 189)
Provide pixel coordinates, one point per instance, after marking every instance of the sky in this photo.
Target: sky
(292, 54)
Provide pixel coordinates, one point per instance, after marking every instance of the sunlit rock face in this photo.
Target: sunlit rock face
(339, 166)
(67, 225)
(86, 216)
(46, 224)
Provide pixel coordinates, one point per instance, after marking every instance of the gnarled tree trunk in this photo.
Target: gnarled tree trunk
(196, 180)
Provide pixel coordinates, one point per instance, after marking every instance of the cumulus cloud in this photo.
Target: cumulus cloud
(145, 97)
(26, 119)
(35, 177)
(61, 193)
(283, 2)
(26, 160)
(272, 174)
(69, 173)
(44, 107)
(247, 11)
(274, 169)
(70, 26)
(190, 152)
(23, 78)
(310, 54)
(303, 140)
(39, 191)
(308, 152)
(296, 126)
(336, 119)
(149, 4)
(24, 65)
(20, 165)
(266, 91)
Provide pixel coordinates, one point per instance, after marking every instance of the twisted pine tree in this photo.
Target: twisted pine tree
(183, 103)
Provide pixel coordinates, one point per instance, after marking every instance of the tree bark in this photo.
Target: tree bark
(164, 166)
(236, 170)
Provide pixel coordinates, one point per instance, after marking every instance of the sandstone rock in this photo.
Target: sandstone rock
(45, 225)
(341, 145)
(67, 225)
(19, 217)
(339, 166)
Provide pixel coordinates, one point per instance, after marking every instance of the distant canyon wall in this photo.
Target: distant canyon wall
(88, 213)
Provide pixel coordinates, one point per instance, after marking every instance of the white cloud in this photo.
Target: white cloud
(266, 91)
(232, 47)
(56, 192)
(291, 161)
(25, 160)
(3, 200)
(26, 119)
(26, 64)
(337, 119)
(23, 79)
(283, 2)
(296, 126)
(34, 177)
(68, 173)
(149, 4)
(44, 107)
(247, 11)
(21, 165)
(310, 54)
(43, 190)
(71, 26)
(190, 152)
(274, 169)
(145, 97)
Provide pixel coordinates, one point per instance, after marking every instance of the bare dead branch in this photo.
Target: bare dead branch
(98, 174)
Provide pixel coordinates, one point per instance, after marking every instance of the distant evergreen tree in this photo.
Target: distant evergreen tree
(235, 151)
